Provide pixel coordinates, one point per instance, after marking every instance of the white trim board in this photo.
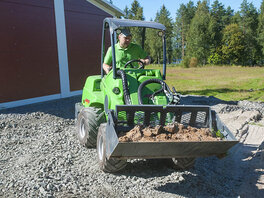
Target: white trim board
(18, 103)
(75, 93)
(62, 47)
(107, 7)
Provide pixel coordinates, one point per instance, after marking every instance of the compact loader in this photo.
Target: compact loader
(115, 102)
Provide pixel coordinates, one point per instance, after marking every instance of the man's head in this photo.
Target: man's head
(124, 38)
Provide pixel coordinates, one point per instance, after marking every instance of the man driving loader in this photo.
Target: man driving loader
(125, 51)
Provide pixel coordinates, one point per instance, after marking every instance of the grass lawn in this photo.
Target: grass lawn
(224, 82)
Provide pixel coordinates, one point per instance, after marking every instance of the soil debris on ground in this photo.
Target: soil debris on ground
(170, 132)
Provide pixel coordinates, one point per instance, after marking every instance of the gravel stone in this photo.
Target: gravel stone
(40, 156)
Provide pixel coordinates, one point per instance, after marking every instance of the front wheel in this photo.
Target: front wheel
(106, 165)
(88, 122)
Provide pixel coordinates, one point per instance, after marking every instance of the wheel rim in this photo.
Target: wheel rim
(100, 148)
(82, 129)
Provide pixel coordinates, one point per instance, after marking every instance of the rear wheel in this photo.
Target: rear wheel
(183, 163)
(107, 165)
(88, 122)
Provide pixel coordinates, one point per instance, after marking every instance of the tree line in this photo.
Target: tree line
(202, 34)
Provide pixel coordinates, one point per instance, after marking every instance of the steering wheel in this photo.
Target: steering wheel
(173, 98)
(135, 60)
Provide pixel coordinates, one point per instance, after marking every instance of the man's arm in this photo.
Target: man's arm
(142, 54)
(107, 61)
(146, 60)
(106, 68)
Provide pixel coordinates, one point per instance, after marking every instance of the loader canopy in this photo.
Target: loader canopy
(113, 24)
(118, 23)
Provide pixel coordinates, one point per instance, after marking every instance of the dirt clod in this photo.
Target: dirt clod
(170, 132)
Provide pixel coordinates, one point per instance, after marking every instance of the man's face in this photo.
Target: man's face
(124, 41)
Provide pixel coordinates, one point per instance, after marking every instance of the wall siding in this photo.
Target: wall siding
(28, 50)
(84, 23)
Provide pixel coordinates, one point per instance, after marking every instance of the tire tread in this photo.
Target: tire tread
(109, 165)
(93, 117)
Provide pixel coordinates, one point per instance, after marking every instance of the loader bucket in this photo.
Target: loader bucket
(196, 116)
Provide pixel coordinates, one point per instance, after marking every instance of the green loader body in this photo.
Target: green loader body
(125, 97)
(108, 92)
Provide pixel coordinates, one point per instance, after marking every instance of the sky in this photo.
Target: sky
(150, 7)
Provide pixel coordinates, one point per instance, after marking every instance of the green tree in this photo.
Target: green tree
(198, 36)
(219, 18)
(154, 44)
(261, 29)
(163, 17)
(184, 16)
(236, 18)
(227, 18)
(248, 21)
(233, 45)
(135, 13)
(126, 11)
(216, 24)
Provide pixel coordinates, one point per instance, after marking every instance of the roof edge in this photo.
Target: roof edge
(116, 23)
(107, 7)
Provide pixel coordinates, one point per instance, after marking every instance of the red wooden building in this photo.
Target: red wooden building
(48, 48)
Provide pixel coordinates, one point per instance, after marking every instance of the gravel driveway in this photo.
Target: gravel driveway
(41, 157)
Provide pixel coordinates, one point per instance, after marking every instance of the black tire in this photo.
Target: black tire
(107, 165)
(183, 163)
(88, 122)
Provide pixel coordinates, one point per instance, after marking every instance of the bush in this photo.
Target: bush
(193, 62)
(215, 59)
(186, 62)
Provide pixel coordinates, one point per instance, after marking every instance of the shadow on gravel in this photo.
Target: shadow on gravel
(147, 168)
(204, 100)
(236, 175)
(64, 108)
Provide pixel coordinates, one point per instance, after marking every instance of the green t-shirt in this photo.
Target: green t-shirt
(133, 51)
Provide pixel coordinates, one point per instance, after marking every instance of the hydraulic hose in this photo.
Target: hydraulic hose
(125, 87)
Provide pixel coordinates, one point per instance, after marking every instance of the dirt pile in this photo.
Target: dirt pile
(170, 132)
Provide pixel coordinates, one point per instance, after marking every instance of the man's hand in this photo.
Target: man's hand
(107, 68)
(146, 61)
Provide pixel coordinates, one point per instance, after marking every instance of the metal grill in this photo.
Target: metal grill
(196, 116)
(122, 116)
(201, 118)
(185, 118)
(152, 115)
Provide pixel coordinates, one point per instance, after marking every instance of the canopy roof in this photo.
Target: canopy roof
(115, 23)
